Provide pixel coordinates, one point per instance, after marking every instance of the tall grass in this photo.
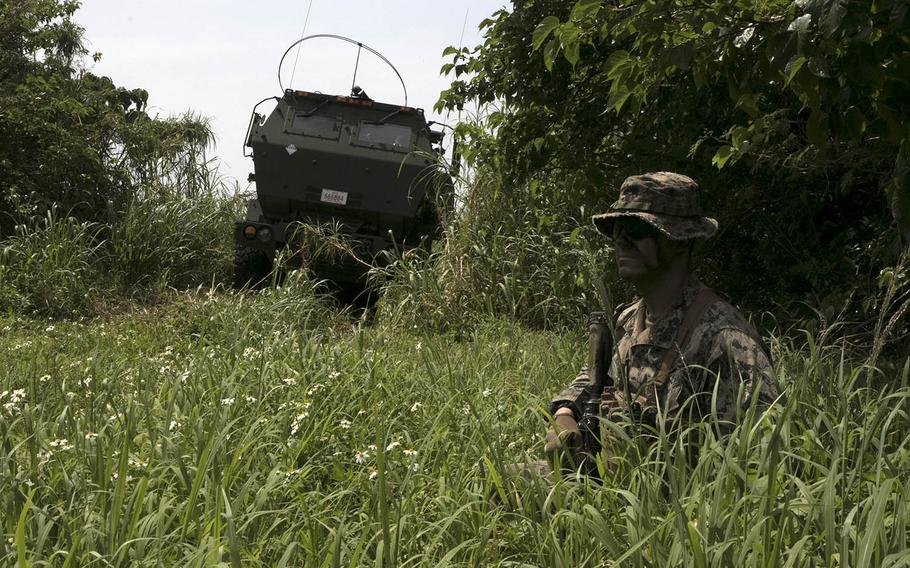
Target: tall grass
(59, 266)
(51, 267)
(268, 429)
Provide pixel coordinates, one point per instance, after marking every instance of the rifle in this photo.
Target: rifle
(600, 350)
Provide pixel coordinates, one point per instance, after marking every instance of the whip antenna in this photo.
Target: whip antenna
(296, 57)
(356, 65)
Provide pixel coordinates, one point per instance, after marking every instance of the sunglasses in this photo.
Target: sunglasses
(633, 229)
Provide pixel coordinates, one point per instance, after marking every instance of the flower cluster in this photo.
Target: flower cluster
(16, 399)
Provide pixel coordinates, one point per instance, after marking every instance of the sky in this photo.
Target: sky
(219, 58)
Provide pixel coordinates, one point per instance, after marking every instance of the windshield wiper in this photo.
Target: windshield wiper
(308, 114)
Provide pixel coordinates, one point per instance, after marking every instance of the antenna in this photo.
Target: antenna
(356, 65)
(296, 57)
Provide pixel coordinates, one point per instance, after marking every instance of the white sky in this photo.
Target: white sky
(219, 58)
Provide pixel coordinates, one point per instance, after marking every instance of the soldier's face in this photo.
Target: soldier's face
(641, 251)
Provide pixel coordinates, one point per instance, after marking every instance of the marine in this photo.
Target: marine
(682, 353)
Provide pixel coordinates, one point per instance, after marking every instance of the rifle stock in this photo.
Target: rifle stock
(600, 349)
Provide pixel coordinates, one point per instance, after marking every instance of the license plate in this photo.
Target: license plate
(335, 197)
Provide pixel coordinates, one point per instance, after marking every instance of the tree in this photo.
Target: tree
(68, 138)
(792, 116)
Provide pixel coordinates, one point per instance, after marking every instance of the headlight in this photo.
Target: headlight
(264, 234)
(249, 232)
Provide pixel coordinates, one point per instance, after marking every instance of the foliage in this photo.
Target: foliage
(790, 115)
(265, 429)
(71, 139)
(60, 266)
(51, 267)
(505, 254)
(98, 200)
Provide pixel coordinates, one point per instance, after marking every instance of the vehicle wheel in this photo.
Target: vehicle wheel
(251, 268)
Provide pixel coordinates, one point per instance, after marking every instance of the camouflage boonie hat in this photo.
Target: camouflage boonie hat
(666, 200)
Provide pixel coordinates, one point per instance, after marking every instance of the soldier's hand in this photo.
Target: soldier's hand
(564, 442)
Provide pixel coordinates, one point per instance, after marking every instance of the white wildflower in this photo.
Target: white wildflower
(410, 452)
(344, 424)
(227, 401)
(392, 446)
(89, 436)
(415, 467)
(315, 388)
(361, 457)
(419, 346)
(44, 378)
(290, 381)
(373, 474)
(250, 399)
(372, 447)
(487, 392)
(416, 406)
(334, 375)
(61, 444)
(297, 423)
(49, 328)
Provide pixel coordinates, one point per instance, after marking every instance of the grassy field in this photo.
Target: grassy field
(271, 430)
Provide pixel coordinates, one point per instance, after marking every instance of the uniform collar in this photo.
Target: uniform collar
(662, 331)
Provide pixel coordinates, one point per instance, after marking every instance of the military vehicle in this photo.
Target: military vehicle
(341, 166)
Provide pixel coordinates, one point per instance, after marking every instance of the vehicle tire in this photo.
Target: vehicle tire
(252, 268)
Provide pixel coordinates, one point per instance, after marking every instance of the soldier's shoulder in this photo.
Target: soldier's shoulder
(723, 315)
(624, 312)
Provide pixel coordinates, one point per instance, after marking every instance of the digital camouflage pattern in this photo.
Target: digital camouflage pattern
(666, 200)
(724, 350)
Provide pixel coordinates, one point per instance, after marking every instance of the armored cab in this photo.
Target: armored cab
(364, 170)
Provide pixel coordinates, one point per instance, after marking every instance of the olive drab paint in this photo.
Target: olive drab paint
(368, 168)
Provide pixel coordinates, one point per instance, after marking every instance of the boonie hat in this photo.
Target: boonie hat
(668, 201)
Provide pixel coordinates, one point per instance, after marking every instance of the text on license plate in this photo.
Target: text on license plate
(336, 197)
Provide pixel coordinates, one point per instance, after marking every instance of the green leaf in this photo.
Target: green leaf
(572, 52)
(451, 50)
(542, 31)
(724, 153)
(618, 98)
(747, 103)
(793, 67)
(549, 54)
(568, 37)
(833, 17)
(615, 62)
(573, 236)
(584, 9)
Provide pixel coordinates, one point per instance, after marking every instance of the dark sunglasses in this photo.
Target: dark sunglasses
(633, 229)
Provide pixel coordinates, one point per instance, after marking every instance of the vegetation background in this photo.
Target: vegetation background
(148, 416)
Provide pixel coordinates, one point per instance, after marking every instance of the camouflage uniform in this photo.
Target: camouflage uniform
(723, 351)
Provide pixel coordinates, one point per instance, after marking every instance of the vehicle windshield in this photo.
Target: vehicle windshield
(393, 136)
(321, 126)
